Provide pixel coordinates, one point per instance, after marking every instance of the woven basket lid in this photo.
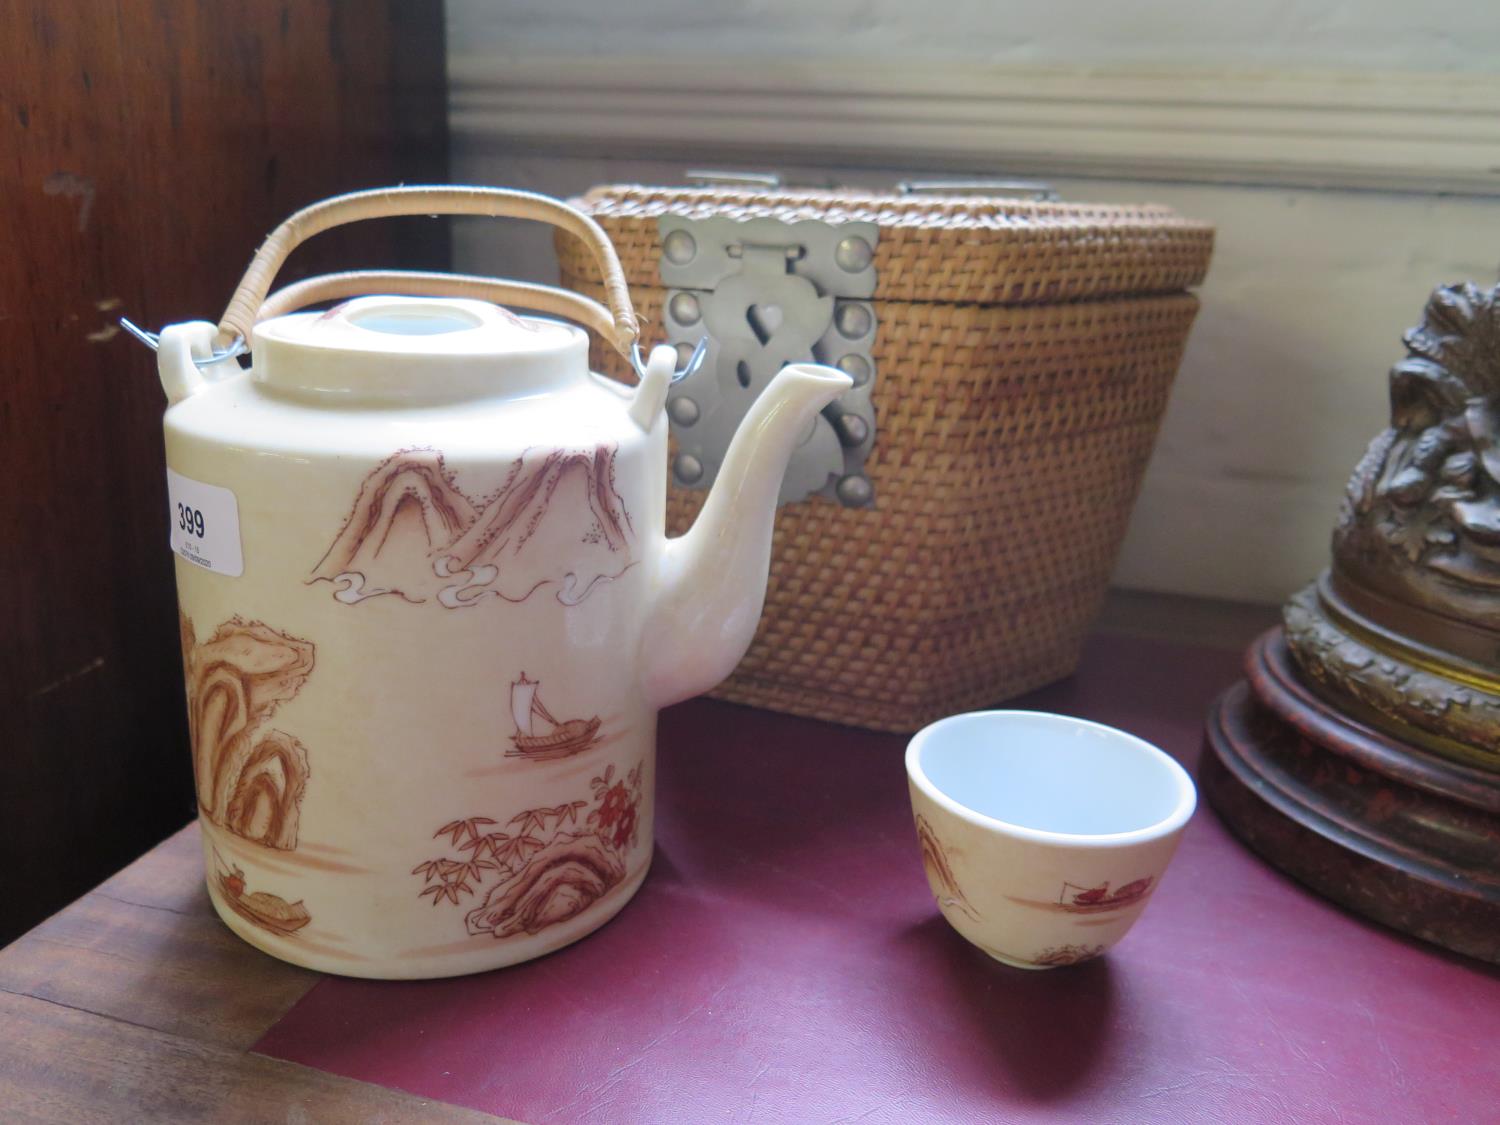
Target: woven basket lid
(941, 247)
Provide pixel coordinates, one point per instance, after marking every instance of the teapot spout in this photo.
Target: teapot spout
(712, 582)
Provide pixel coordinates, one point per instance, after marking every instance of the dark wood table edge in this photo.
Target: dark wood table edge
(96, 1027)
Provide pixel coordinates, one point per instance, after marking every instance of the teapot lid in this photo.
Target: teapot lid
(411, 349)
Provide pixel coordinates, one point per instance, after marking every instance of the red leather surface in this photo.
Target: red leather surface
(785, 963)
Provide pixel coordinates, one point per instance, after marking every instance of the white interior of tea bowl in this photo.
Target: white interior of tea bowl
(1045, 775)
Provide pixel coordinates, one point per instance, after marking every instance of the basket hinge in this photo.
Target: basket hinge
(768, 293)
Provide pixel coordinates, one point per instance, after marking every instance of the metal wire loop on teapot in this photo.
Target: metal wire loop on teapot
(695, 361)
(236, 348)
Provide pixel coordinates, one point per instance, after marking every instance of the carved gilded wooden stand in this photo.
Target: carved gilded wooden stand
(1361, 754)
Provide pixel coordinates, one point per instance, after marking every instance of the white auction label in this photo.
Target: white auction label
(205, 524)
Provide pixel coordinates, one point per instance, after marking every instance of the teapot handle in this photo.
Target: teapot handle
(250, 302)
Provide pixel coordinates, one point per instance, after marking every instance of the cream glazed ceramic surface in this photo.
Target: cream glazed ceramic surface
(424, 711)
(1043, 837)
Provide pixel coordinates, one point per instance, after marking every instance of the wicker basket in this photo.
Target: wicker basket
(1025, 353)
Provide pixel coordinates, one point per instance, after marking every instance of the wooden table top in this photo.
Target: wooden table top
(136, 1003)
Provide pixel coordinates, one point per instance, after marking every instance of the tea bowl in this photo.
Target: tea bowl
(1043, 836)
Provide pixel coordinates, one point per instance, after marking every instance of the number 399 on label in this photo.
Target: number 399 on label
(190, 520)
(205, 525)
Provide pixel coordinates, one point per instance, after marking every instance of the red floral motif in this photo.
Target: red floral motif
(616, 801)
(624, 829)
(545, 874)
(616, 815)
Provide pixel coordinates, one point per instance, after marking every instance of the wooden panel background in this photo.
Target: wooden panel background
(145, 149)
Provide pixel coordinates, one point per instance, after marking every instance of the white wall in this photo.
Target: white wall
(1382, 34)
(1284, 379)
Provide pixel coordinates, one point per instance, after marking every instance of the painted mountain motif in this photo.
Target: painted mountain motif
(250, 780)
(548, 864)
(556, 521)
(568, 875)
(940, 875)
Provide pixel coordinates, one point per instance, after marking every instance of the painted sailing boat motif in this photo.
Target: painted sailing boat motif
(1074, 898)
(538, 735)
(269, 911)
(1090, 900)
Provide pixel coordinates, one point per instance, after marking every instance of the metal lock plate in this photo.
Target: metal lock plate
(767, 293)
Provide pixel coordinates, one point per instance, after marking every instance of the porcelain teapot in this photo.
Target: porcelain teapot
(428, 607)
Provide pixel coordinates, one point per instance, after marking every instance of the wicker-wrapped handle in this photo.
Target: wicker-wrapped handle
(249, 304)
